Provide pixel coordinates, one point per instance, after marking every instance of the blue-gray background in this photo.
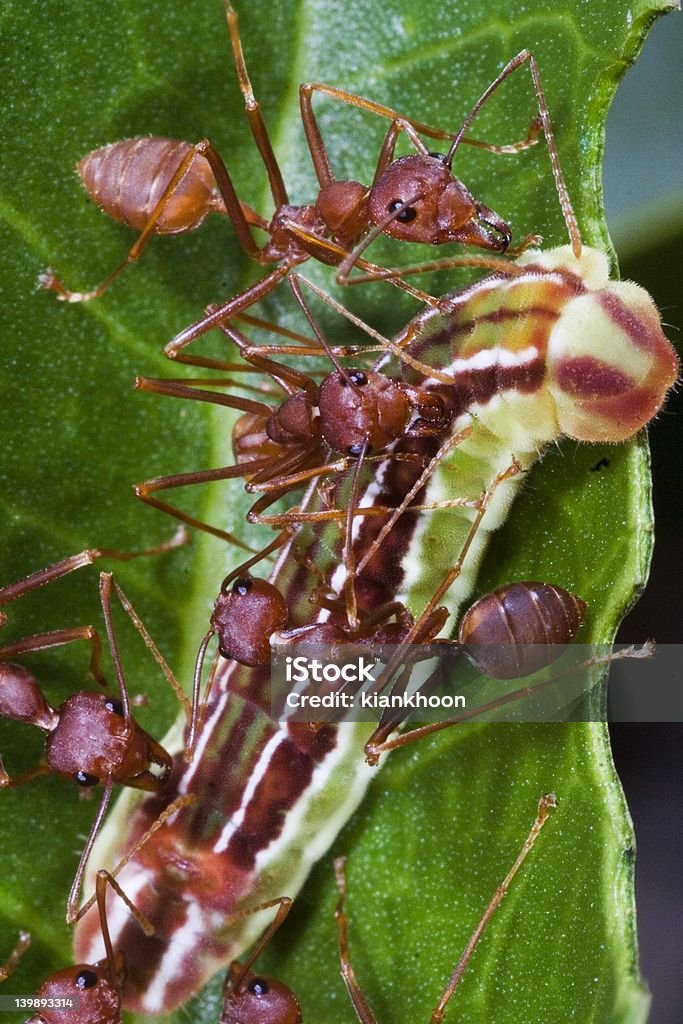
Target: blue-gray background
(644, 200)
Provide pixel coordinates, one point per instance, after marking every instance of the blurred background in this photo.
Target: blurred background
(644, 201)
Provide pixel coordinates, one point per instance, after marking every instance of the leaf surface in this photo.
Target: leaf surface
(445, 819)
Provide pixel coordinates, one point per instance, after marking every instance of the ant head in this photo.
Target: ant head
(259, 1000)
(94, 741)
(246, 614)
(433, 206)
(359, 408)
(89, 984)
(22, 700)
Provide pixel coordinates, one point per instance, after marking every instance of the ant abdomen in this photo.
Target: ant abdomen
(520, 628)
(250, 439)
(128, 178)
(22, 700)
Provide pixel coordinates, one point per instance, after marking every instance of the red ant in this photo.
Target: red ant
(165, 186)
(10, 964)
(280, 447)
(92, 738)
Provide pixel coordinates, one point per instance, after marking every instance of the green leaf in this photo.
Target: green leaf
(445, 819)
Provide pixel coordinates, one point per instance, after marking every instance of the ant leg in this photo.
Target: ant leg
(295, 284)
(305, 346)
(106, 583)
(275, 487)
(645, 650)
(223, 382)
(51, 282)
(379, 742)
(365, 1015)
(23, 942)
(451, 576)
(67, 565)
(58, 638)
(319, 152)
(284, 904)
(360, 1005)
(228, 310)
(145, 491)
(189, 389)
(253, 111)
(244, 567)
(289, 379)
(328, 252)
(295, 516)
(387, 345)
(175, 805)
(523, 57)
(343, 351)
(20, 780)
(546, 803)
(73, 914)
(74, 892)
(258, 469)
(102, 880)
(446, 447)
(317, 148)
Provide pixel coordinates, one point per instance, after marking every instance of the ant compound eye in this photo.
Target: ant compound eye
(86, 979)
(441, 157)
(406, 215)
(85, 780)
(356, 450)
(115, 706)
(358, 377)
(258, 987)
(242, 586)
